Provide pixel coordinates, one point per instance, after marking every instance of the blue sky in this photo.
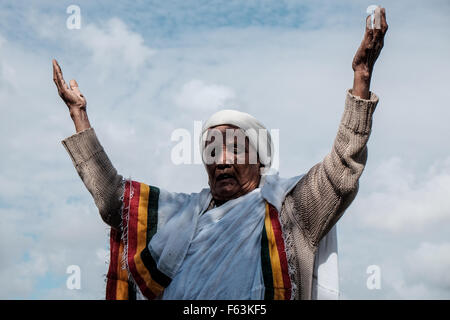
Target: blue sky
(150, 67)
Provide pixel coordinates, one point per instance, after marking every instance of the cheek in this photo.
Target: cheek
(246, 172)
(210, 172)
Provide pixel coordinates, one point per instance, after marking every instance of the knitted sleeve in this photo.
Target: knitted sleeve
(97, 173)
(326, 191)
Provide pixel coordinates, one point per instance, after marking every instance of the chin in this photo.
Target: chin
(226, 192)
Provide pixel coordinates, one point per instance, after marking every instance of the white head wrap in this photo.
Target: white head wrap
(259, 137)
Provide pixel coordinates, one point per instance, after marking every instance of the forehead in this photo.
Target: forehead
(227, 131)
(224, 127)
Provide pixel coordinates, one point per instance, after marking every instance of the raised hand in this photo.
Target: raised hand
(72, 97)
(367, 54)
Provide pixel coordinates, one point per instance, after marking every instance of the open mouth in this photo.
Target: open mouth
(224, 176)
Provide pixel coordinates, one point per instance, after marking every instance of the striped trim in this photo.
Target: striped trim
(117, 278)
(139, 222)
(142, 224)
(273, 258)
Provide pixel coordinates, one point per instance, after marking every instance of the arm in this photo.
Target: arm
(88, 156)
(325, 192)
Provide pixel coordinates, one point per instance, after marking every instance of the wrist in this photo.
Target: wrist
(361, 84)
(80, 119)
(77, 112)
(363, 76)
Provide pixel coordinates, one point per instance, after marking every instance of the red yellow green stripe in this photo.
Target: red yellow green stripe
(139, 219)
(273, 258)
(137, 241)
(117, 277)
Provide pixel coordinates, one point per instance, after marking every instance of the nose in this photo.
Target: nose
(223, 166)
(227, 157)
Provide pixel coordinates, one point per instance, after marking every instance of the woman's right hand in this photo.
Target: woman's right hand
(72, 97)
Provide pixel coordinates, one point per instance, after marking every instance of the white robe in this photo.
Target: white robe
(195, 250)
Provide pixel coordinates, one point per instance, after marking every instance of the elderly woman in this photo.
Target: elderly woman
(250, 235)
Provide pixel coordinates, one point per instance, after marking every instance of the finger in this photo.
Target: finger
(57, 69)
(379, 33)
(57, 79)
(74, 86)
(384, 25)
(369, 31)
(369, 35)
(55, 75)
(377, 18)
(368, 23)
(59, 76)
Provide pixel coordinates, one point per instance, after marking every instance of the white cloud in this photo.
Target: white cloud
(404, 200)
(429, 264)
(113, 45)
(418, 273)
(113, 48)
(205, 97)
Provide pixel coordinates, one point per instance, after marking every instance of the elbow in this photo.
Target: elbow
(344, 170)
